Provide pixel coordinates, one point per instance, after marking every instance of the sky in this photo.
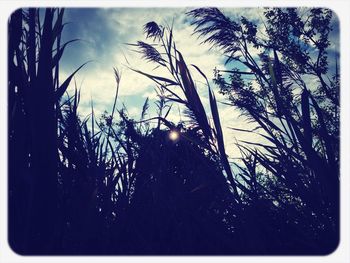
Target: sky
(104, 35)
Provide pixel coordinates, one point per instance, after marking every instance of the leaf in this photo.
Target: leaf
(204, 76)
(169, 50)
(305, 109)
(58, 26)
(194, 102)
(277, 68)
(56, 58)
(156, 78)
(167, 113)
(220, 141)
(144, 109)
(62, 89)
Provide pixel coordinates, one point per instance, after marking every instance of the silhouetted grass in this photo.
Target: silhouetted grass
(114, 185)
(297, 168)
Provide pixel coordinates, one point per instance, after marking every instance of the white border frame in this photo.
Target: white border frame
(340, 7)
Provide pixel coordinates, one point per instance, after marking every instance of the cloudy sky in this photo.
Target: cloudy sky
(104, 34)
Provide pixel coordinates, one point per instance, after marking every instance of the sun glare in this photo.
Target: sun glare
(174, 135)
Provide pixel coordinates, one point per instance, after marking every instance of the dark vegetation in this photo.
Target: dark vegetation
(115, 185)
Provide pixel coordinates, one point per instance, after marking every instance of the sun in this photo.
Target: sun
(174, 135)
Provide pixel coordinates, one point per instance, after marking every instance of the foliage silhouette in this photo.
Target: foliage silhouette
(300, 124)
(115, 185)
(34, 92)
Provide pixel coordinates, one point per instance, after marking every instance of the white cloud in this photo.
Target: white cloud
(125, 26)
